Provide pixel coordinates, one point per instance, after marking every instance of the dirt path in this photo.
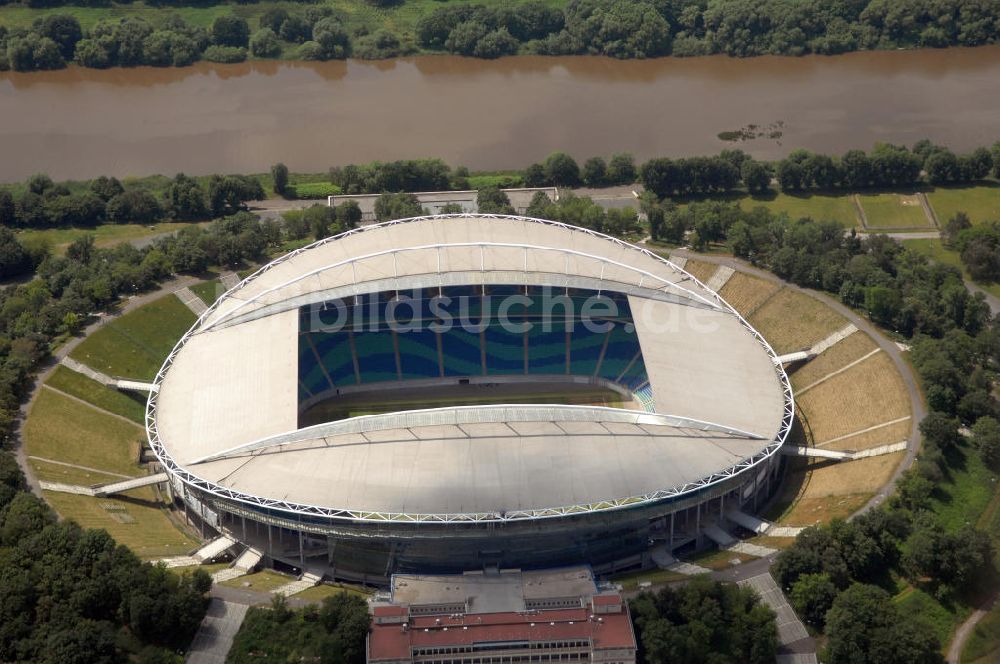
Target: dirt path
(965, 630)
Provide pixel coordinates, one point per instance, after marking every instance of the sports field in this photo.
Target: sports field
(894, 212)
(136, 344)
(371, 403)
(981, 203)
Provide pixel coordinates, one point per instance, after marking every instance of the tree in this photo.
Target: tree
(279, 178)
(561, 170)
(230, 31)
(595, 172)
(264, 44)
(940, 431)
(534, 176)
(25, 514)
(105, 187)
(390, 206)
(39, 183)
(273, 18)
(492, 200)
(186, 198)
(229, 194)
(863, 626)
(134, 206)
(756, 176)
(63, 29)
(812, 596)
(959, 222)
(349, 215)
(621, 169)
(986, 438)
(333, 39)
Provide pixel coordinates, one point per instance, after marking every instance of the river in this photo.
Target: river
(506, 113)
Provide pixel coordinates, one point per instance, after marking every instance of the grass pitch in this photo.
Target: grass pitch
(792, 321)
(91, 391)
(136, 344)
(981, 203)
(816, 206)
(105, 235)
(894, 212)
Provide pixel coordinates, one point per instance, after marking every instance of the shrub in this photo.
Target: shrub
(264, 44)
(224, 54)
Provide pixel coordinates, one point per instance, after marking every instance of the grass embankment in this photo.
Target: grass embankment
(746, 293)
(135, 345)
(119, 403)
(62, 429)
(792, 321)
(322, 591)
(65, 431)
(700, 270)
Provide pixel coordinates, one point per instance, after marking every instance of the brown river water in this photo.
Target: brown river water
(505, 113)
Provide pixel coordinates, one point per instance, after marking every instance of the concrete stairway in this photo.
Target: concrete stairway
(242, 566)
(307, 580)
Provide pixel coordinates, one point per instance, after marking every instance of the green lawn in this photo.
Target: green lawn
(821, 207)
(66, 430)
(120, 403)
(984, 642)
(938, 252)
(964, 495)
(135, 345)
(104, 235)
(208, 291)
(981, 203)
(631, 580)
(894, 211)
(940, 619)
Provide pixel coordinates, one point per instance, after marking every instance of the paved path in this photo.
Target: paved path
(79, 467)
(45, 370)
(917, 409)
(215, 636)
(964, 630)
(82, 368)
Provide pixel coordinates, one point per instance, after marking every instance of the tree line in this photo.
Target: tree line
(616, 28)
(315, 33)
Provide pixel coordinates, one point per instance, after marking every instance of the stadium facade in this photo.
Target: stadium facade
(460, 309)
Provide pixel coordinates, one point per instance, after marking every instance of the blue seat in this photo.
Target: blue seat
(504, 351)
(547, 349)
(461, 354)
(376, 356)
(418, 354)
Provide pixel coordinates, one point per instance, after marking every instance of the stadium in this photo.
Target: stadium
(467, 391)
